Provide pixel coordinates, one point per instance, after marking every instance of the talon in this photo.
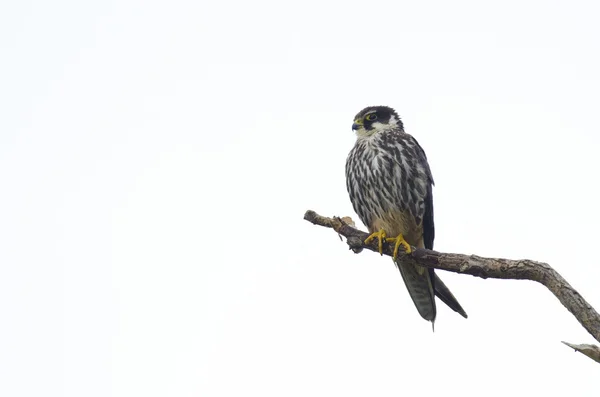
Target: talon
(399, 241)
(380, 235)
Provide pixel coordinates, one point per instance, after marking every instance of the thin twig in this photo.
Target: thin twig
(592, 351)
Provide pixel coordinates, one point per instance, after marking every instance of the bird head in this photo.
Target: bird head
(375, 119)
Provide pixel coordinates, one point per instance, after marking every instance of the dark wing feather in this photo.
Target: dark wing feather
(428, 225)
(441, 291)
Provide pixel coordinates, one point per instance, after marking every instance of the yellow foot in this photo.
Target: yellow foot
(380, 235)
(399, 241)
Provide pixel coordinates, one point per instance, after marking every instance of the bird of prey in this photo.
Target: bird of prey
(390, 186)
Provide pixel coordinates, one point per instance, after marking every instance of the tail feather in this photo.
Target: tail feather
(420, 284)
(442, 292)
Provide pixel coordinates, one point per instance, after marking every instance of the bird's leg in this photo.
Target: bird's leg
(399, 241)
(380, 235)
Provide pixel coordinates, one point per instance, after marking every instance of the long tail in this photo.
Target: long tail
(442, 292)
(419, 282)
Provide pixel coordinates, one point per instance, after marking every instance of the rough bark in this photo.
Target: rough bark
(478, 266)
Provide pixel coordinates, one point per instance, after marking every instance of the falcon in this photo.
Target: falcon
(390, 186)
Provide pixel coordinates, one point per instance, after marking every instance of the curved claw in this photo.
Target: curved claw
(380, 235)
(399, 241)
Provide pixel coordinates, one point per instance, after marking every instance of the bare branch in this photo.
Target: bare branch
(592, 351)
(478, 266)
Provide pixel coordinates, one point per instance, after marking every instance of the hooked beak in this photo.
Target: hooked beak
(355, 126)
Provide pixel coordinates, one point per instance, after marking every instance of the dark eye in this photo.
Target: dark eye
(371, 117)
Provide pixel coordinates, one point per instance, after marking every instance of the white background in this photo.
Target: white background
(156, 159)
